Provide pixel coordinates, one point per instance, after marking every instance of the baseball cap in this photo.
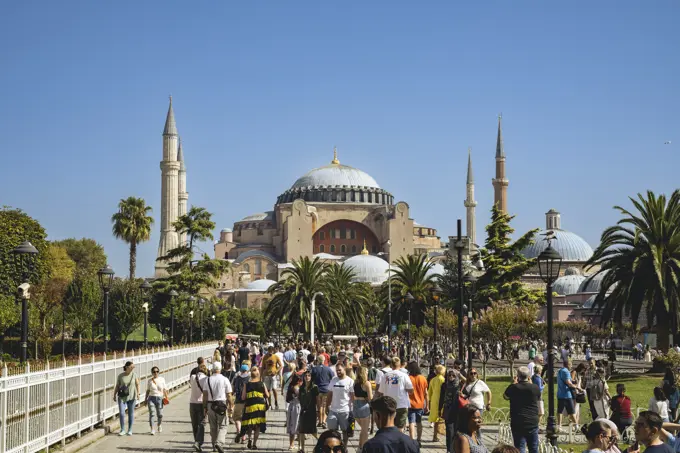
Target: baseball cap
(244, 367)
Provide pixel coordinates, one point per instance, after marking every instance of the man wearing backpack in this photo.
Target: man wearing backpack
(216, 402)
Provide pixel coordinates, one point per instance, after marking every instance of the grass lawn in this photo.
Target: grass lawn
(138, 335)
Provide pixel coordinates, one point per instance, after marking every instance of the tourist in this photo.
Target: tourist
(477, 391)
(293, 411)
(397, 385)
(599, 394)
(434, 394)
(215, 397)
(309, 393)
(321, 376)
(239, 384)
(599, 436)
(468, 438)
(156, 393)
(524, 397)
(126, 392)
(289, 356)
(588, 381)
(339, 402)
(196, 408)
(449, 402)
(659, 404)
(565, 399)
(648, 428)
(287, 378)
(387, 366)
(362, 396)
(330, 442)
(540, 383)
(254, 420)
(577, 379)
(389, 438)
(418, 402)
(217, 356)
(272, 368)
(199, 361)
(613, 445)
(670, 388)
(243, 352)
(621, 413)
(504, 448)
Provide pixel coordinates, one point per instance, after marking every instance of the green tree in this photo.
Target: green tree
(252, 321)
(132, 223)
(15, 228)
(411, 276)
(88, 255)
(640, 257)
(505, 264)
(83, 303)
(341, 289)
(126, 313)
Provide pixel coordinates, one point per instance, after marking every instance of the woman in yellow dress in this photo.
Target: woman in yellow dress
(433, 398)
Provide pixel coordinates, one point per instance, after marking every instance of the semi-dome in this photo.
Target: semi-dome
(593, 283)
(570, 245)
(260, 285)
(437, 270)
(368, 268)
(568, 284)
(255, 253)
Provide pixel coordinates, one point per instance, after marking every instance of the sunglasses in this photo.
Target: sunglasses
(336, 449)
(155, 371)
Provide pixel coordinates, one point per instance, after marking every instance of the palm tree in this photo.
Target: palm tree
(132, 223)
(353, 298)
(292, 298)
(640, 260)
(410, 276)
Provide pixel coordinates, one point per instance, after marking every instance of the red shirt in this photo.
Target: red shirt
(621, 406)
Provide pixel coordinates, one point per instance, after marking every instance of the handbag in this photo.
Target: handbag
(579, 397)
(464, 399)
(350, 425)
(220, 407)
(166, 401)
(124, 390)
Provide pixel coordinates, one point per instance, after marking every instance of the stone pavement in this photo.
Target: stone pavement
(177, 437)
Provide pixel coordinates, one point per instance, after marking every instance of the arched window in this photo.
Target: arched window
(246, 267)
(332, 248)
(258, 267)
(343, 248)
(354, 249)
(352, 234)
(322, 248)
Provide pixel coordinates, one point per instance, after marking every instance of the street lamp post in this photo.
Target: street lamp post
(409, 300)
(172, 295)
(24, 261)
(389, 296)
(105, 275)
(201, 306)
(460, 245)
(146, 289)
(471, 280)
(436, 294)
(549, 262)
(313, 316)
(214, 323)
(191, 326)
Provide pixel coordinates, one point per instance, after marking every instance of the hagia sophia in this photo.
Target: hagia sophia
(339, 213)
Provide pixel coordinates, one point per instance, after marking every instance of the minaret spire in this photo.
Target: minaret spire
(500, 182)
(470, 203)
(335, 160)
(170, 125)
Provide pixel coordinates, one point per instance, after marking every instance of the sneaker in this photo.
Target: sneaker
(129, 433)
(153, 433)
(197, 447)
(237, 439)
(121, 433)
(160, 429)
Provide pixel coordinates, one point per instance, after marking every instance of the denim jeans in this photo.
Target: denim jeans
(155, 404)
(524, 440)
(130, 406)
(450, 432)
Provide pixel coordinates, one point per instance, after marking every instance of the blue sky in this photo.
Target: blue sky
(263, 91)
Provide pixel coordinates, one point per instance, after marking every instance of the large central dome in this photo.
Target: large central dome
(336, 175)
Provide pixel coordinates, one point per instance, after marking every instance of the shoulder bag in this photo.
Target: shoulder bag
(124, 390)
(220, 407)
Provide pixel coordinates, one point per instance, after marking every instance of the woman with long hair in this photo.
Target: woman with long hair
(658, 403)
(468, 438)
(308, 396)
(293, 411)
(670, 388)
(255, 395)
(217, 357)
(599, 436)
(434, 393)
(362, 396)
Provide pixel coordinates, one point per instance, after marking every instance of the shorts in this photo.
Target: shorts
(362, 409)
(271, 382)
(401, 418)
(321, 399)
(238, 412)
(565, 404)
(338, 420)
(415, 415)
(541, 408)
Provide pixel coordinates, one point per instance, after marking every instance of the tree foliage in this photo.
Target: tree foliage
(411, 276)
(132, 223)
(88, 255)
(640, 260)
(83, 304)
(125, 308)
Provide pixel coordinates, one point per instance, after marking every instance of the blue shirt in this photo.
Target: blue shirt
(563, 391)
(321, 376)
(536, 379)
(391, 440)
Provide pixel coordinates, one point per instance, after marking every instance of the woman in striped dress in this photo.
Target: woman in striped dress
(255, 395)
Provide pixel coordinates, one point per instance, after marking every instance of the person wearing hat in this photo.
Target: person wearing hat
(216, 390)
(239, 383)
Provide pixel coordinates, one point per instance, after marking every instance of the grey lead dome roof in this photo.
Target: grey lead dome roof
(570, 245)
(336, 175)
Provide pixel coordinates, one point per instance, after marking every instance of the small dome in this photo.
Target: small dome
(568, 284)
(593, 283)
(267, 215)
(570, 245)
(572, 271)
(589, 302)
(368, 268)
(260, 285)
(437, 270)
(226, 230)
(336, 175)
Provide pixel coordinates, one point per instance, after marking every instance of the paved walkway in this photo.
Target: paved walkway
(177, 437)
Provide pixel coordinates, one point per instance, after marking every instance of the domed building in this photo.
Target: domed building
(573, 248)
(569, 283)
(368, 268)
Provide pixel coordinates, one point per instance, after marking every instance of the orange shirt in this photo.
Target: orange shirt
(417, 398)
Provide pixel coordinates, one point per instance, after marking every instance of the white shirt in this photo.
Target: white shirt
(341, 389)
(531, 366)
(396, 384)
(477, 389)
(217, 387)
(379, 376)
(280, 356)
(196, 396)
(660, 407)
(155, 386)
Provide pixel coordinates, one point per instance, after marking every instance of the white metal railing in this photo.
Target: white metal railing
(43, 408)
(570, 435)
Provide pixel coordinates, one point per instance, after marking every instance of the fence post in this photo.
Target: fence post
(47, 401)
(92, 401)
(63, 405)
(3, 414)
(27, 404)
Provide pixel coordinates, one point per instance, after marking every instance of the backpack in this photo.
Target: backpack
(372, 373)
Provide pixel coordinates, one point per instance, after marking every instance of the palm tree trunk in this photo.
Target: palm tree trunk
(663, 330)
(133, 259)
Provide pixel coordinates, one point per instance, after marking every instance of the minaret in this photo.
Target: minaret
(169, 191)
(470, 202)
(183, 195)
(500, 183)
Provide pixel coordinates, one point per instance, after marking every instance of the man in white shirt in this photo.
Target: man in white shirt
(196, 410)
(216, 401)
(397, 385)
(339, 402)
(386, 361)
